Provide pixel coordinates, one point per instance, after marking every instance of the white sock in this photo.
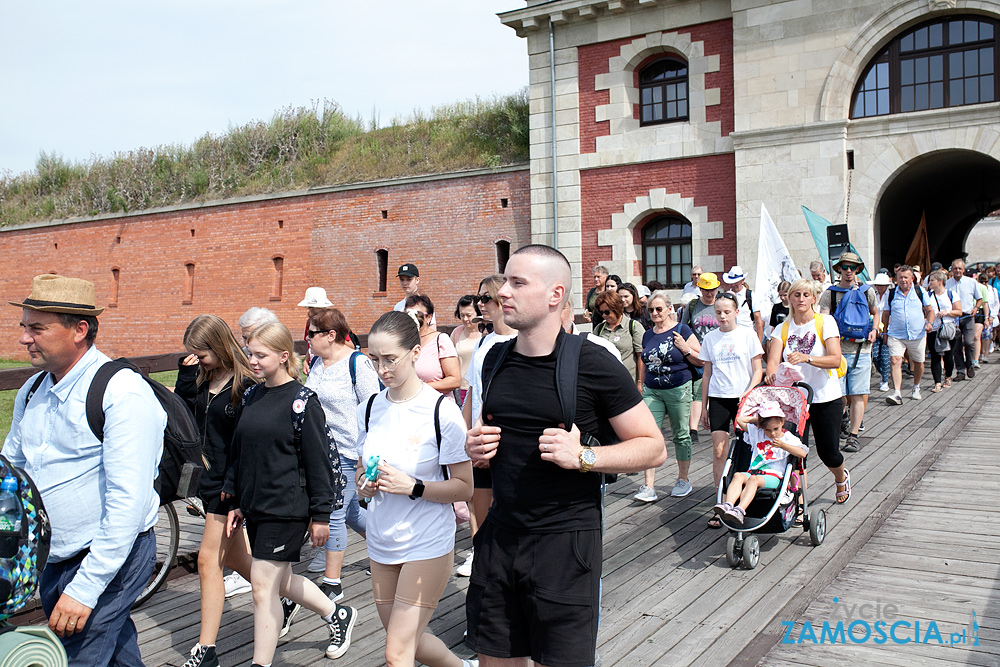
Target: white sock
(328, 619)
(327, 580)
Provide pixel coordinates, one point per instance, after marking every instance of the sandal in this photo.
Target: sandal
(798, 515)
(937, 387)
(844, 495)
(946, 384)
(715, 523)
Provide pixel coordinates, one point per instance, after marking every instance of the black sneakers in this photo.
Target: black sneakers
(288, 609)
(202, 656)
(340, 630)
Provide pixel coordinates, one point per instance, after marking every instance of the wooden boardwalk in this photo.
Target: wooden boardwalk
(917, 532)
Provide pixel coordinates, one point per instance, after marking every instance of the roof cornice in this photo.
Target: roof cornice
(538, 16)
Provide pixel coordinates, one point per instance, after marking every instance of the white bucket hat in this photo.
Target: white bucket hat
(316, 298)
(734, 275)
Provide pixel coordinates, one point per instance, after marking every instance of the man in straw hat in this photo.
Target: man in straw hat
(99, 495)
(856, 385)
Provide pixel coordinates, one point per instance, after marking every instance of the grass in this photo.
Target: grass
(167, 378)
(300, 147)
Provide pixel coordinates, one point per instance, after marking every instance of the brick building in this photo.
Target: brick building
(675, 119)
(157, 270)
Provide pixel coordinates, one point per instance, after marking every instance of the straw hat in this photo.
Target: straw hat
(58, 294)
(316, 298)
(850, 258)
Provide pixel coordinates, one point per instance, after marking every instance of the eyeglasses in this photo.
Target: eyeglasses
(484, 298)
(311, 333)
(658, 309)
(388, 364)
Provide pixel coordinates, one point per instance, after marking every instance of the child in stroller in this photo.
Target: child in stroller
(771, 444)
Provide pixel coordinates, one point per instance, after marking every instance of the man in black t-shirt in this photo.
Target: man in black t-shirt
(535, 582)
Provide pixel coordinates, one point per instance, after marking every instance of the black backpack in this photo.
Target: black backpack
(182, 462)
(568, 350)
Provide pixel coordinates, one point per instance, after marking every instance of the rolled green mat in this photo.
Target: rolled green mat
(31, 646)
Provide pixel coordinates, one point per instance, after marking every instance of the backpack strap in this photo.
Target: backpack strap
(354, 369)
(437, 431)
(34, 388)
(567, 369)
(95, 395)
(298, 419)
(368, 410)
(750, 300)
(504, 348)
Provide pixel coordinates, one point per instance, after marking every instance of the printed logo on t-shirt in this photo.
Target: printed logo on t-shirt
(803, 344)
(726, 353)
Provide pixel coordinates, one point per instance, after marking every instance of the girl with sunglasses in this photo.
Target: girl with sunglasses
(482, 495)
(732, 357)
(343, 379)
(411, 526)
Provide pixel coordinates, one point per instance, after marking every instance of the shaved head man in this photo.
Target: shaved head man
(546, 486)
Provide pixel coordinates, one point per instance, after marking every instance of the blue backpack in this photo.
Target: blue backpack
(851, 312)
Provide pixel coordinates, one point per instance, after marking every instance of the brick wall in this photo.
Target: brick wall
(709, 180)
(447, 227)
(593, 60)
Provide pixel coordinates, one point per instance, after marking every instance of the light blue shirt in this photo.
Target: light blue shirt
(906, 314)
(97, 495)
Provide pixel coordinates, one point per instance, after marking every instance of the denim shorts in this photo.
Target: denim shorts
(858, 380)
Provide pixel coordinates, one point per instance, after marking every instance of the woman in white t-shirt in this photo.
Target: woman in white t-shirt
(466, 337)
(949, 308)
(411, 524)
(732, 356)
(817, 357)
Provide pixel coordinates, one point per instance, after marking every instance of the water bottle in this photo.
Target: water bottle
(10, 517)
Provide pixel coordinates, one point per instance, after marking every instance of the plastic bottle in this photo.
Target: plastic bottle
(10, 517)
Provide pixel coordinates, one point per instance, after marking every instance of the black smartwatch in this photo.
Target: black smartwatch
(418, 489)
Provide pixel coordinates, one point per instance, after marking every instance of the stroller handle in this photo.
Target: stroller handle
(809, 391)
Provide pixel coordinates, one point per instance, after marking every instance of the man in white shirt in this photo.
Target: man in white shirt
(748, 314)
(967, 291)
(691, 290)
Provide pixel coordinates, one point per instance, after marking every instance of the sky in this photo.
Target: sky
(83, 79)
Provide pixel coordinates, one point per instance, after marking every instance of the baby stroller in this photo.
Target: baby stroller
(772, 510)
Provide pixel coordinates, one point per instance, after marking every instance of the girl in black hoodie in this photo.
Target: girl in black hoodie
(283, 485)
(212, 379)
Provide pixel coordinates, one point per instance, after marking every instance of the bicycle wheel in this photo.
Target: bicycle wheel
(167, 533)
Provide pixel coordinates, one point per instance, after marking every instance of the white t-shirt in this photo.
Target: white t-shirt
(805, 339)
(731, 354)
(744, 316)
(340, 397)
(764, 455)
(942, 303)
(475, 374)
(398, 529)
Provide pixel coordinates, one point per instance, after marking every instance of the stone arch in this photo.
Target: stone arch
(835, 100)
(626, 253)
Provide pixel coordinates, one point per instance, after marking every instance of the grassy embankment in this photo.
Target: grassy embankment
(299, 148)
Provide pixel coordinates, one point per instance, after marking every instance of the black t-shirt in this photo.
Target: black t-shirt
(779, 312)
(264, 469)
(536, 496)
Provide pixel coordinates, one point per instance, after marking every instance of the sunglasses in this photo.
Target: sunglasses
(312, 333)
(849, 267)
(484, 298)
(485, 327)
(726, 295)
(605, 313)
(658, 309)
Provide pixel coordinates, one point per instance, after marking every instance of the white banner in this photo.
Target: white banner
(774, 264)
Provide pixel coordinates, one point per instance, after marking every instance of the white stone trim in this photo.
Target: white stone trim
(624, 252)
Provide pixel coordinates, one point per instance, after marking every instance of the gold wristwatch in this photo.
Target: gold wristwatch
(587, 459)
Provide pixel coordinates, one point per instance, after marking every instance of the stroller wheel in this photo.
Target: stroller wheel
(732, 555)
(751, 552)
(817, 528)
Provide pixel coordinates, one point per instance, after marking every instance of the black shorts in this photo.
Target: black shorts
(722, 412)
(214, 504)
(535, 594)
(277, 539)
(980, 319)
(482, 478)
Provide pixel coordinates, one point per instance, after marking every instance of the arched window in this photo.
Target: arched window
(663, 91)
(666, 250)
(947, 62)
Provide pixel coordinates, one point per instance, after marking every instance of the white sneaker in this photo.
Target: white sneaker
(465, 569)
(318, 562)
(235, 584)
(916, 394)
(884, 386)
(646, 494)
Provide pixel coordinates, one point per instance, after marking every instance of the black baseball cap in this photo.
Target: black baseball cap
(408, 270)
